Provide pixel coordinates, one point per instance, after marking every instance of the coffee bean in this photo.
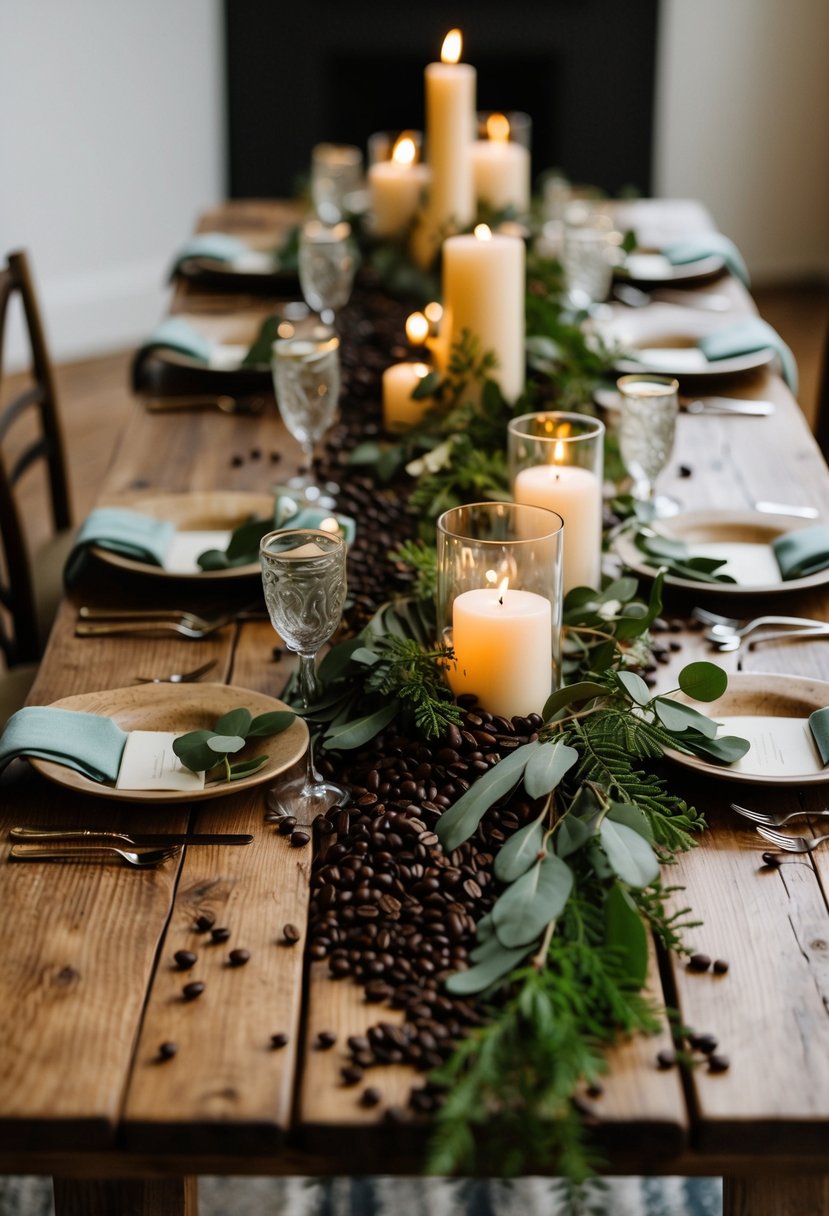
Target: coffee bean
(299, 840)
(280, 1039)
(291, 934)
(370, 1096)
(185, 959)
(351, 1074)
(238, 958)
(706, 1043)
(720, 966)
(287, 825)
(666, 1058)
(167, 1050)
(326, 1039)
(699, 962)
(192, 990)
(220, 935)
(204, 921)
(718, 1063)
(772, 859)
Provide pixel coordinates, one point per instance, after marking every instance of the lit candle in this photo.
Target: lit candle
(503, 649)
(396, 187)
(501, 168)
(483, 292)
(417, 328)
(450, 130)
(576, 494)
(400, 409)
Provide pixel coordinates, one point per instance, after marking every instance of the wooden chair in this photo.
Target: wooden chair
(822, 418)
(30, 435)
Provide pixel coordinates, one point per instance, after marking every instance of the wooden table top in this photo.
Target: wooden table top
(86, 975)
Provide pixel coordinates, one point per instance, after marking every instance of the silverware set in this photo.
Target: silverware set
(729, 633)
(767, 823)
(109, 622)
(139, 851)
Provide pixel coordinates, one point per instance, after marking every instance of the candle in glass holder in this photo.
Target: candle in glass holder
(500, 168)
(396, 187)
(503, 649)
(400, 410)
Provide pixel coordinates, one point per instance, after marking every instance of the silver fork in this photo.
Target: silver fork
(727, 627)
(98, 852)
(775, 820)
(178, 677)
(791, 844)
(93, 629)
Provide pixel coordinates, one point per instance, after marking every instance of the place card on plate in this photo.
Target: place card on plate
(149, 763)
(184, 549)
(779, 746)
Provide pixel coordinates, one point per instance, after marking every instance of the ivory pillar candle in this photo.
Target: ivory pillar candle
(483, 292)
(396, 187)
(503, 649)
(400, 409)
(576, 495)
(500, 168)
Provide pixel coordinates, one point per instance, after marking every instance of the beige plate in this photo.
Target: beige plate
(722, 527)
(176, 707)
(774, 697)
(220, 510)
(687, 272)
(663, 365)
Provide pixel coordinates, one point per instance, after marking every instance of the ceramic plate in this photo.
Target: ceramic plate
(742, 537)
(175, 707)
(208, 511)
(255, 272)
(685, 359)
(654, 269)
(772, 711)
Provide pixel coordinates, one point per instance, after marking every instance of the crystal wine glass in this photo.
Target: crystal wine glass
(304, 580)
(327, 263)
(306, 377)
(648, 407)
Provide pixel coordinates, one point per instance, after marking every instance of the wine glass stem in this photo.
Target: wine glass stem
(308, 691)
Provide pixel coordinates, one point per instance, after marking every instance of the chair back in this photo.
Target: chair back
(30, 432)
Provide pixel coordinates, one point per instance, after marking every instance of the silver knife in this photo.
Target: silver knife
(729, 405)
(141, 838)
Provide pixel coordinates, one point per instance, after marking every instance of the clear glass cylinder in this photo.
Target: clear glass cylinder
(336, 180)
(556, 460)
(648, 408)
(499, 603)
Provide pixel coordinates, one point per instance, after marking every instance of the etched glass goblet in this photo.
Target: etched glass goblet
(304, 580)
(327, 262)
(306, 379)
(648, 407)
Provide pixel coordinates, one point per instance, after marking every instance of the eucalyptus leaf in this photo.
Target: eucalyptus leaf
(225, 745)
(462, 818)
(521, 914)
(244, 768)
(633, 817)
(623, 589)
(271, 723)
(497, 963)
(337, 659)
(723, 750)
(634, 686)
(703, 681)
(572, 834)
(629, 854)
(364, 656)
(547, 766)
(677, 718)
(516, 856)
(357, 731)
(586, 690)
(236, 722)
(625, 932)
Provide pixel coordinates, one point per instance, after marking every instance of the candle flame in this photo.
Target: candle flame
(417, 328)
(285, 329)
(502, 589)
(558, 452)
(451, 50)
(497, 128)
(434, 312)
(483, 232)
(404, 151)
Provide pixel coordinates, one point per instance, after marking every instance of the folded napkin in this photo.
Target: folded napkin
(177, 334)
(743, 338)
(243, 547)
(802, 551)
(217, 246)
(120, 531)
(89, 743)
(819, 726)
(704, 245)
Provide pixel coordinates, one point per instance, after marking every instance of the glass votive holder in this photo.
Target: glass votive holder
(556, 460)
(499, 603)
(590, 248)
(336, 180)
(520, 125)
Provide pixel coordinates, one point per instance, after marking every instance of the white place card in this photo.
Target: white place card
(185, 547)
(780, 747)
(644, 266)
(226, 357)
(149, 763)
(255, 261)
(672, 359)
(752, 565)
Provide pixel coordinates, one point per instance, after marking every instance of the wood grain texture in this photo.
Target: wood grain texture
(136, 1197)
(753, 1196)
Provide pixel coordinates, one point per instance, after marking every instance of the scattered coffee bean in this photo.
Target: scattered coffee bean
(219, 935)
(299, 840)
(772, 859)
(204, 921)
(280, 1039)
(699, 962)
(238, 958)
(185, 959)
(192, 990)
(286, 825)
(718, 1063)
(666, 1058)
(167, 1050)
(706, 1043)
(291, 934)
(370, 1096)
(351, 1074)
(326, 1039)
(685, 470)
(720, 966)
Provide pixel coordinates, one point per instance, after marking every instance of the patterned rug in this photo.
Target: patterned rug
(408, 1197)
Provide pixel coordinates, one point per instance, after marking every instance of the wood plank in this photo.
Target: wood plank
(142, 1197)
(751, 1196)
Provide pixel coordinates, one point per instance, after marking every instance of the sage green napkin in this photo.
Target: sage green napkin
(120, 531)
(704, 245)
(743, 338)
(177, 334)
(802, 551)
(217, 246)
(88, 743)
(243, 547)
(819, 726)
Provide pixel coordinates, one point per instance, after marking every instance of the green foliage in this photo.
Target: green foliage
(207, 751)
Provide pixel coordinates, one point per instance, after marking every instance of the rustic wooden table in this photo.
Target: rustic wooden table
(86, 978)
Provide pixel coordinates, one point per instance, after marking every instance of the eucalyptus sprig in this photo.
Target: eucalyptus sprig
(207, 751)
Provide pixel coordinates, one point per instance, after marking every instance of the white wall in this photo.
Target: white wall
(743, 125)
(111, 143)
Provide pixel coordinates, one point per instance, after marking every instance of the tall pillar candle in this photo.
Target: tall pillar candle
(483, 292)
